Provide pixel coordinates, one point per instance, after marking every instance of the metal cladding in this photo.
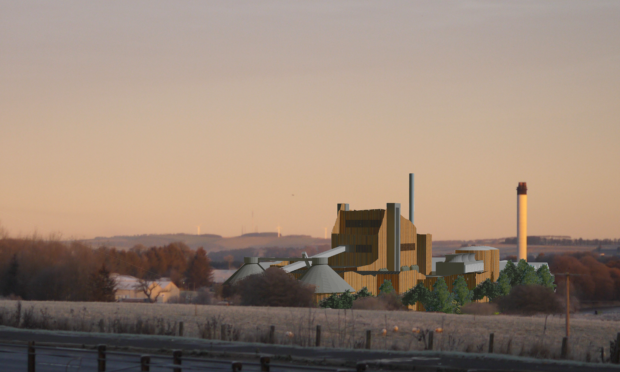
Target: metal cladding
(324, 279)
(522, 221)
(460, 263)
(328, 253)
(250, 267)
(411, 199)
(393, 236)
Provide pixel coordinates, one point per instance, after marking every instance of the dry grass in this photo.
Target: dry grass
(536, 336)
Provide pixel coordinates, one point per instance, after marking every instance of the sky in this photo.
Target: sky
(145, 117)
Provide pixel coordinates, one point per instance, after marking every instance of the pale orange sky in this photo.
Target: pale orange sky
(134, 117)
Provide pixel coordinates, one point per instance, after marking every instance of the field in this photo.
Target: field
(532, 336)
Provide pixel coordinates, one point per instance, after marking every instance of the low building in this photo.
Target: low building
(128, 289)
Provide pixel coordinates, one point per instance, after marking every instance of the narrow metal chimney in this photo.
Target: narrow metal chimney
(522, 221)
(393, 236)
(411, 201)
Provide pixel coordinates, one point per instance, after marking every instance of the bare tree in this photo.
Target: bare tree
(146, 287)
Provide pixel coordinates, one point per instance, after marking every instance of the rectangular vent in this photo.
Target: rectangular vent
(363, 248)
(363, 223)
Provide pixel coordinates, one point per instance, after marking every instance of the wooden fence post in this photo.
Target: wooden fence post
(264, 364)
(491, 337)
(180, 329)
(564, 351)
(31, 357)
(368, 339)
(318, 335)
(272, 334)
(145, 363)
(616, 356)
(101, 358)
(176, 359)
(430, 340)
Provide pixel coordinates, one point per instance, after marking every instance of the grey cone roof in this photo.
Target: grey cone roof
(325, 279)
(244, 271)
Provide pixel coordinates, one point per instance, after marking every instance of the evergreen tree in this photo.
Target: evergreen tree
(11, 282)
(529, 276)
(199, 272)
(462, 294)
(102, 286)
(364, 292)
(522, 269)
(503, 284)
(546, 279)
(338, 301)
(486, 289)
(511, 272)
(418, 293)
(386, 287)
(441, 299)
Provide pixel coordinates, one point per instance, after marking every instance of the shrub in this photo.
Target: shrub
(440, 298)
(338, 301)
(274, 287)
(344, 300)
(390, 301)
(476, 308)
(529, 300)
(386, 287)
(415, 294)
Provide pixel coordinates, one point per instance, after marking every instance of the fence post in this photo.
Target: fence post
(31, 356)
(318, 335)
(145, 363)
(264, 364)
(272, 334)
(176, 359)
(368, 339)
(564, 351)
(491, 337)
(430, 340)
(616, 356)
(180, 329)
(223, 332)
(603, 354)
(236, 366)
(101, 358)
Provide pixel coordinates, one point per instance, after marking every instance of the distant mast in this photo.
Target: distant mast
(522, 221)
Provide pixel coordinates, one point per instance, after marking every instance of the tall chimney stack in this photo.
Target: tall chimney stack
(522, 221)
(411, 209)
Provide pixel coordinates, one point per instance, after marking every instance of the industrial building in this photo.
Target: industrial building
(371, 246)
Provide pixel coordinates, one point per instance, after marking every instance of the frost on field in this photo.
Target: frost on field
(339, 328)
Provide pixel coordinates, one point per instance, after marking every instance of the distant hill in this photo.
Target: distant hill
(209, 242)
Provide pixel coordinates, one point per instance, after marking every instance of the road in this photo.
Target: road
(338, 358)
(49, 359)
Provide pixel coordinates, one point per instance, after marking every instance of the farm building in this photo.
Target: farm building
(371, 246)
(128, 288)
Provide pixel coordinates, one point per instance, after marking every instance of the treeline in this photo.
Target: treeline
(545, 240)
(599, 276)
(38, 269)
(234, 258)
